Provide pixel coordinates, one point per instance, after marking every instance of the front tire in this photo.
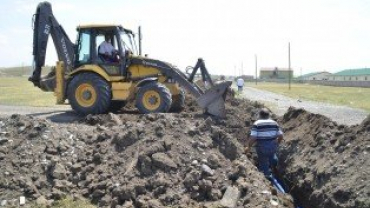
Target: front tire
(88, 93)
(153, 97)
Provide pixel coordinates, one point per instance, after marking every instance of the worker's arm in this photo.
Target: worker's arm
(280, 138)
(251, 142)
(252, 138)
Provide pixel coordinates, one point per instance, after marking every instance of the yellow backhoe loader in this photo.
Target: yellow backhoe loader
(93, 84)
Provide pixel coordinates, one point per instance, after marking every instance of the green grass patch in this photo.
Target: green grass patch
(21, 71)
(16, 71)
(19, 91)
(354, 97)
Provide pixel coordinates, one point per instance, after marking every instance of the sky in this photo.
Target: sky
(324, 35)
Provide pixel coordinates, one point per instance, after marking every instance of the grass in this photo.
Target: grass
(16, 71)
(19, 91)
(354, 97)
(21, 71)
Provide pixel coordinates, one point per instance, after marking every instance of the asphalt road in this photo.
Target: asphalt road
(279, 104)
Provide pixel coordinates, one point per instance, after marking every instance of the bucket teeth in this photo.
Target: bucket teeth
(213, 100)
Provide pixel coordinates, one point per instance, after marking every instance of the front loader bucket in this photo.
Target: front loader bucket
(213, 100)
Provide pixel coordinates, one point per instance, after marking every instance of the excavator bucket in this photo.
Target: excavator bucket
(213, 100)
(47, 83)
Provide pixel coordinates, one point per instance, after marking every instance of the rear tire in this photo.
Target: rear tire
(88, 93)
(153, 97)
(178, 102)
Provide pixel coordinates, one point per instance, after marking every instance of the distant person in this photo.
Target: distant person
(240, 84)
(107, 51)
(268, 135)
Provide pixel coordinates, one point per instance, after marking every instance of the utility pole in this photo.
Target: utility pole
(241, 70)
(140, 40)
(255, 60)
(290, 74)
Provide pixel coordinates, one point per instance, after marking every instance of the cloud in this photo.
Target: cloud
(324, 34)
(24, 6)
(62, 6)
(4, 40)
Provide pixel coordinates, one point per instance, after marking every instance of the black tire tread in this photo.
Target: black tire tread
(164, 92)
(102, 89)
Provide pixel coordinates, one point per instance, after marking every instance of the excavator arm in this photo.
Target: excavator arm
(212, 100)
(44, 23)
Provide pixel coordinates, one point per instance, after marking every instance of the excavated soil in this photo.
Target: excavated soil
(326, 164)
(185, 159)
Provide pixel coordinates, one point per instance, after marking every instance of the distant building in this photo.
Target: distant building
(351, 75)
(275, 73)
(247, 77)
(315, 76)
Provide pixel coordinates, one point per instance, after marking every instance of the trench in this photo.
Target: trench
(322, 162)
(287, 182)
(325, 164)
(283, 188)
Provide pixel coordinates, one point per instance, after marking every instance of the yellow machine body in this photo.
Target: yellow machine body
(104, 70)
(122, 88)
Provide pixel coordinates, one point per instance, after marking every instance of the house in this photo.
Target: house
(246, 77)
(315, 76)
(275, 73)
(362, 74)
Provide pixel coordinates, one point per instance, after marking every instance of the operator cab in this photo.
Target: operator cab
(90, 39)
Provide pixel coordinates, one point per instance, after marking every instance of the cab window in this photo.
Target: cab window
(84, 47)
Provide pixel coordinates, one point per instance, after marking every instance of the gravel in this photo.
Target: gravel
(29, 110)
(279, 104)
(60, 113)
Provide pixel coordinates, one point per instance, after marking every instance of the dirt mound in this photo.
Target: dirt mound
(326, 164)
(185, 159)
(365, 125)
(155, 160)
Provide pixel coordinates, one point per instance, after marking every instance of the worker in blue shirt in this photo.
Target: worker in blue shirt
(267, 135)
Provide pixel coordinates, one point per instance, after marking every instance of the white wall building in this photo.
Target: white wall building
(351, 75)
(315, 76)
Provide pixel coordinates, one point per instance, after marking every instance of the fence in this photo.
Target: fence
(365, 84)
(341, 83)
